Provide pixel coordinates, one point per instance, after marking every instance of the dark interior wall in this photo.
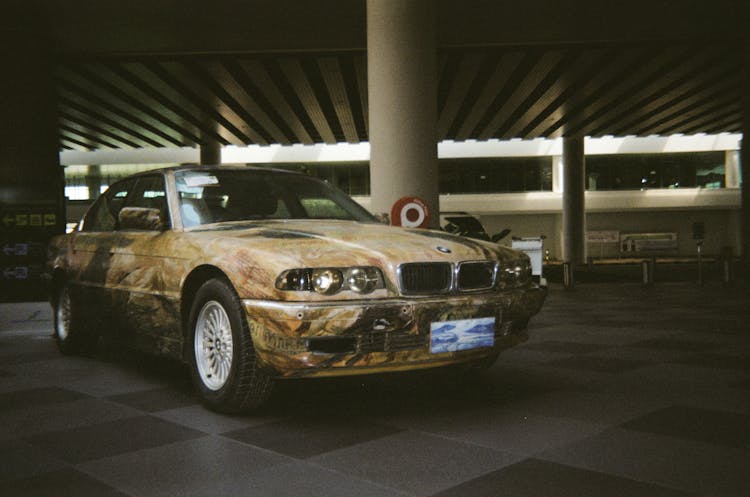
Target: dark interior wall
(31, 179)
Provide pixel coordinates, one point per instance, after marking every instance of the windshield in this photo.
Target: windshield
(214, 196)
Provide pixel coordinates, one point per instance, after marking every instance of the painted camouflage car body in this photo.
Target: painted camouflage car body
(138, 284)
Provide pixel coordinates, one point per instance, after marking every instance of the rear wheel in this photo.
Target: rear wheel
(224, 366)
(68, 327)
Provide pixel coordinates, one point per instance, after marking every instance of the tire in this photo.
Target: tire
(223, 364)
(69, 333)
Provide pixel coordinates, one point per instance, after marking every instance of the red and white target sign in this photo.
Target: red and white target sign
(410, 212)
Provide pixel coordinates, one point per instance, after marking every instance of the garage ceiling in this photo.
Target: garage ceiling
(483, 93)
(182, 72)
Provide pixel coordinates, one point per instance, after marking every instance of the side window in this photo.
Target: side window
(149, 192)
(103, 214)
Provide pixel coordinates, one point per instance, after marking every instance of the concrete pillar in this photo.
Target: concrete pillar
(210, 152)
(745, 190)
(94, 181)
(574, 190)
(402, 95)
(557, 175)
(745, 160)
(732, 169)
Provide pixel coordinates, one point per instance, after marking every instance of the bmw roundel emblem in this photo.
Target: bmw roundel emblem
(444, 250)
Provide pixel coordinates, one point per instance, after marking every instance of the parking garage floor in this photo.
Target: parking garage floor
(621, 391)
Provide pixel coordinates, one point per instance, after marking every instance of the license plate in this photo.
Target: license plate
(464, 334)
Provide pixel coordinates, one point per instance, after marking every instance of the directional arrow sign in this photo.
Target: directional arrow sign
(8, 220)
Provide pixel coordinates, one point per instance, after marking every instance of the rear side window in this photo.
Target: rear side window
(149, 192)
(103, 214)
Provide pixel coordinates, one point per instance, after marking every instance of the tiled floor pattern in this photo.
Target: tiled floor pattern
(621, 391)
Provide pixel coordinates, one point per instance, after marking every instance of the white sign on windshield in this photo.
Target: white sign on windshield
(194, 180)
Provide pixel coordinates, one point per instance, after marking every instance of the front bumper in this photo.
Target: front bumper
(371, 336)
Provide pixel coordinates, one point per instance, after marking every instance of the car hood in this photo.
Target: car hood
(253, 254)
(329, 242)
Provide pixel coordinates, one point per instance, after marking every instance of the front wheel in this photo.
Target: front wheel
(223, 363)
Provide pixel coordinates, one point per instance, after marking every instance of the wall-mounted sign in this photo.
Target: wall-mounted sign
(410, 212)
(603, 236)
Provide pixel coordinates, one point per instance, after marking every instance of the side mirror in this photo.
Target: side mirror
(140, 218)
(499, 236)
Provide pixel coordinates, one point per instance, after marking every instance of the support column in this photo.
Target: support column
(402, 96)
(557, 174)
(94, 181)
(210, 152)
(732, 169)
(745, 162)
(574, 212)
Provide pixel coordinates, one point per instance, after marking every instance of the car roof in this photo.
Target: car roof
(233, 167)
(201, 167)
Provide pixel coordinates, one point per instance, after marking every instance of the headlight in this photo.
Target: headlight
(363, 279)
(328, 281)
(514, 274)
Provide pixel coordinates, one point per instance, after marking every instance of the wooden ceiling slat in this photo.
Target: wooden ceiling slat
(637, 101)
(731, 124)
(718, 118)
(333, 78)
(253, 119)
(72, 122)
(590, 62)
(151, 80)
(695, 123)
(486, 91)
(186, 79)
(149, 101)
(90, 80)
(651, 62)
(73, 104)
(69, 145)
(466, 72)
(681, 100)
(92, 141)
(350, 77)
(360, 69)
(299, 82)
(665, 101)
(540, 98)
(246, 92)
(522, 82)
(255, 74)
(89, 104)
(593, 89)
(76, 143)
(447, 70)
(694, 106)
(482, 93)
(314, 76)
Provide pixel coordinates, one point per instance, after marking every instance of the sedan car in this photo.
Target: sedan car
(252, 275)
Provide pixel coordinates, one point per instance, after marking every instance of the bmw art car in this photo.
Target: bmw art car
(253, 275)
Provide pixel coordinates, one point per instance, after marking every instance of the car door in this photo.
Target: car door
(146, 291)
(91, 249)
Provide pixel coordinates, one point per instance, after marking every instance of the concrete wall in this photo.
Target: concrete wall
(720, 227)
